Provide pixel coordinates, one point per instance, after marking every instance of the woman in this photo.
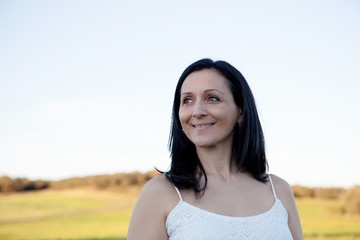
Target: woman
(217, 186)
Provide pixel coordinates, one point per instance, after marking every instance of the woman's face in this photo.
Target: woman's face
(207, 111)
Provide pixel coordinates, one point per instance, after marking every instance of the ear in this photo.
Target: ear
(240, 119)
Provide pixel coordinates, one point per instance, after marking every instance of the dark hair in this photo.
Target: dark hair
(248, 144)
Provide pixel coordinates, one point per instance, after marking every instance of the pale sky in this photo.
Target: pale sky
(86, 87)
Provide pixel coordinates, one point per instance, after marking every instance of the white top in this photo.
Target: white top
(187, 222)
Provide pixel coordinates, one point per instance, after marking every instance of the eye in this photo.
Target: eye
(213, 99)
(187, 100)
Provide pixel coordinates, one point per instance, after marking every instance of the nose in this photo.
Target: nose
(199, 110)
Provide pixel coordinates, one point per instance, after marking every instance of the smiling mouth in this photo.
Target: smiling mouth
(203, 125)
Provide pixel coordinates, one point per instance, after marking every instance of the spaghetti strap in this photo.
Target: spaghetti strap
(178, 192)
(272, 186)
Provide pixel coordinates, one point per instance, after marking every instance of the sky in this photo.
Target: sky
(86, 87)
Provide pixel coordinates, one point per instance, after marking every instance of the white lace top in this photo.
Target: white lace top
(187, 222)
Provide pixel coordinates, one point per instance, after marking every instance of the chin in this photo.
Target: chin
(200, 144)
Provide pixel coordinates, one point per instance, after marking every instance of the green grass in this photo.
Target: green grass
(40, 204)
(111, 225)
(99, 215)
(322, 219)
(65, 215)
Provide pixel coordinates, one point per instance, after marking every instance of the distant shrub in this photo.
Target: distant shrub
(36, 185)
(73, 182)
(328, 193)
(107, 181)
(135, 178)
(352, 201)
(5, 184)
(301, 191)
(103, 181)
(318, 192)
(21, 184)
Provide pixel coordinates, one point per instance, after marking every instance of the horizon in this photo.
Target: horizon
(144, 172)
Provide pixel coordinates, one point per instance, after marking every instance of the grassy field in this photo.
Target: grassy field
(99, 215)
(72, 214)
(322, 219)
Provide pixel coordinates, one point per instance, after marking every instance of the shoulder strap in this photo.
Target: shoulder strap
(272, 186)
(178, 192)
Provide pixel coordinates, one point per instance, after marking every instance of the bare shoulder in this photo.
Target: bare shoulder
(157, 198)
(285, 194)
(159, 190)
(283, 191)
(278, 179)
(159, 184)
(156, 186)
(281, 186)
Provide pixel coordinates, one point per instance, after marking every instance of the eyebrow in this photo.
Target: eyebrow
(207, 90)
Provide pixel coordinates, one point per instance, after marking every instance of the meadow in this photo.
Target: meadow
(89, 214)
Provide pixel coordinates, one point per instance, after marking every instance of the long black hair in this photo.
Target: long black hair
(248, 145)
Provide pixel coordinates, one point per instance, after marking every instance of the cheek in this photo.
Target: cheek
(229, 117)
(183, 116)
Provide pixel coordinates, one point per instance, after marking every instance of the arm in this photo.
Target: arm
(286, 195)
(150, 211)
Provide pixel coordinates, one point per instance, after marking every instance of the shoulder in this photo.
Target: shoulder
(156, 200)
(160, 192)
(158, 185)
(281, 186)
(283, 191)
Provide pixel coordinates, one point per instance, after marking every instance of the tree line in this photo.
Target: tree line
(350, 196)
(106, 181)
(121, 181)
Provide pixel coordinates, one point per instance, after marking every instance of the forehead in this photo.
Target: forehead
(205, 79)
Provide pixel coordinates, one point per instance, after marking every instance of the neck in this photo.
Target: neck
(218, 161)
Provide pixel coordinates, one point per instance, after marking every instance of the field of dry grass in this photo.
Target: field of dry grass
(88, 214)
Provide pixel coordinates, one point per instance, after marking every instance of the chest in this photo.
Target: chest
(189, 222)
(233, 201)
